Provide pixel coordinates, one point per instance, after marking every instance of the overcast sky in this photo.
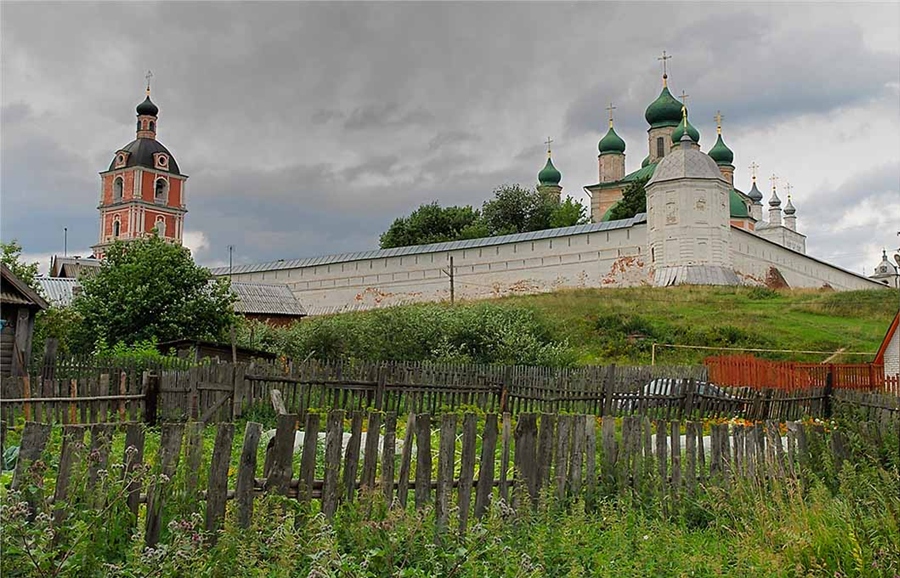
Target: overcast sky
(306, 128)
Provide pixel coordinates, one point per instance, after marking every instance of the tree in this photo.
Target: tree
(432, 223)
(149, 289)
(634, 201)
(12, 258)
(516, 209)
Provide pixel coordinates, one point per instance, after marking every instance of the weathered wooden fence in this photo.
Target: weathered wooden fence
(223, 391)
(457, 464)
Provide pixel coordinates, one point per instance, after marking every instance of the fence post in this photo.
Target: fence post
(151, 397)
(609, 386)
(26, 391)
(829, 391)
(379, 388)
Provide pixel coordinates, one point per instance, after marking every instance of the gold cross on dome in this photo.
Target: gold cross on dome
(548, 142)
(683, 98)
(774, 180)
(610, 108)
(148, 76)
(664, 57)
(718, 118)
(753, 167)
(788, 187)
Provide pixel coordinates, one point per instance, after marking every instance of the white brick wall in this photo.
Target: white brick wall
(892, 356)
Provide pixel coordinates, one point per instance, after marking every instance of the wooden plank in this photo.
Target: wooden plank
(72, 450)
(577, 456)
(193, 455)
(334, 435)
(388, 453)
(308, 457)
(690, 465)
(218, 480)
(243, 493)
(715, 448)
(278, 478)
(561, 455)
(405, 459)
(446, 455)
(34, 440)
(423, 460)
(505, 435)
(610, 453)
(277, 402)
(676, 456)
(486, 467)
(351, 457)
(662, 458)
(525, 459)
(590, 462)
(133, 460)
(167, 461)
(466, 469)
(545, 447)
(370, 455)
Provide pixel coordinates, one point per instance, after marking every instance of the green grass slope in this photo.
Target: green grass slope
(599, 326)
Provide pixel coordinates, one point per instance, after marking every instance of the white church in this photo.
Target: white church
(698, 229)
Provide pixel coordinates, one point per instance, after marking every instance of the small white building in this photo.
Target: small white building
(889, 353)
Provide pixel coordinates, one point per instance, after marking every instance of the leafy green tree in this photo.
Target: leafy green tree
(634, 201)
(568, 213)
(149, 289)
(432, 223)
(12, 258)
(516, 209)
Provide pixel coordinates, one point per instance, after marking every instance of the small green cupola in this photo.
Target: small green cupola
(549, 175)
(646, 161)
(611, 143)
(683, 126)
(720, 152)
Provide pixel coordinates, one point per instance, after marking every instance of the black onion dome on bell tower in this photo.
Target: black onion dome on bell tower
(147, 107)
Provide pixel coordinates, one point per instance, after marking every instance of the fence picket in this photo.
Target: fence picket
(247, 473)
(466, 469)
(218, 480)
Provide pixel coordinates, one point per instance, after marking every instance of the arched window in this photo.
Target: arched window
(161, 191)
(151, 125)
(161, 226)
(116, 227)
(139, 125)
(660, 147)
(117, 189)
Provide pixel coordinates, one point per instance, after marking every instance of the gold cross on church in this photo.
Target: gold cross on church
(610, 108)
(148, 76)
(664, 57)
(788, 187)
(718, 118)
(753, 167)
(548, 142)
(683, 98)
(774, 180)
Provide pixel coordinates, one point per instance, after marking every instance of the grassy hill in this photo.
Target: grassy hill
(597, 326)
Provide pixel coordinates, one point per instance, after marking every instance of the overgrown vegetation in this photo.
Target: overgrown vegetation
(596, 326)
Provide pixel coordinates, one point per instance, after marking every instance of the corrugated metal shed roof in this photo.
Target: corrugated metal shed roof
(59, 290)
(266, 299)
(433, 247)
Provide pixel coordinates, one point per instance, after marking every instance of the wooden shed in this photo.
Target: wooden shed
(19, 303)
(195, 350)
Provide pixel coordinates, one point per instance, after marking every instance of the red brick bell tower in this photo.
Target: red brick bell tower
(142, 190)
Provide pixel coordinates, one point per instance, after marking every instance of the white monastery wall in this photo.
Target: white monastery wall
(754, 256)
(592, 259)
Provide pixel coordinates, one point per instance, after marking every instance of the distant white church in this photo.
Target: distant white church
(698, 229)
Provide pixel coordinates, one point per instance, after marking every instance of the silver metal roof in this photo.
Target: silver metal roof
(59, 291)
(266, 299)
(253, 298)
(432, 247)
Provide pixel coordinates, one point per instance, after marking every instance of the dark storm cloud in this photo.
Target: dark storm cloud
(307, 128)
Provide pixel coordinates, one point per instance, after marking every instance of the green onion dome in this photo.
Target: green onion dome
(736, 206)
(664, 111)
(691, 131)
(721, 153)
(611, 143)
(549, 175)
(646, 161)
